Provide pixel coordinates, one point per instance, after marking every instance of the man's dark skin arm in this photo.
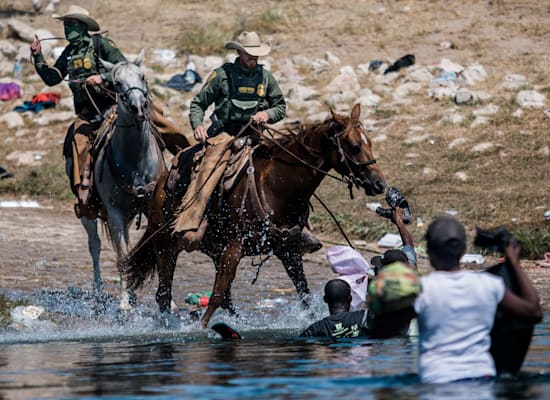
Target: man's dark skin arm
(527, 304)
(397, 216)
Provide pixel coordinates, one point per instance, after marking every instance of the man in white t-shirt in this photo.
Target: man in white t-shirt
(456, 308)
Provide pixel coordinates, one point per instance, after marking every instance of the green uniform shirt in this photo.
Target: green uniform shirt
(239, 96)
(79, 62)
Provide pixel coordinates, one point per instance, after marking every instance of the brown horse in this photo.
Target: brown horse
(264, 212)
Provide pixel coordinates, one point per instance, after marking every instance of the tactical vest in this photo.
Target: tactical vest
(83, 62)
(245, 95)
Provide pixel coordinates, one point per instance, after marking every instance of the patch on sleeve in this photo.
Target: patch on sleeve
(211, 77)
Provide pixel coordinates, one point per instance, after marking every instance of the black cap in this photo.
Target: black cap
(337, 291)
(389, 257)
(446, 232)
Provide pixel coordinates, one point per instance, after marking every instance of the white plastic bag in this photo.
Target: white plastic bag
(352, 268)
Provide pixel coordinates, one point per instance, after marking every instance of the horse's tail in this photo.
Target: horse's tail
(142, 261)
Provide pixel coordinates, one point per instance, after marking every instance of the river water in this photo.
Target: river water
(77, 355)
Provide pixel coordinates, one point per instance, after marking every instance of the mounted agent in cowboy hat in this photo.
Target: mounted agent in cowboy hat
(88, 78)
(243, 92)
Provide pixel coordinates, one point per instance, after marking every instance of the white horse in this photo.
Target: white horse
(126, 168)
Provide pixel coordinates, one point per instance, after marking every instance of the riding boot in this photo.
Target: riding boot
(84, 187)
(191, 240)
(310, 243)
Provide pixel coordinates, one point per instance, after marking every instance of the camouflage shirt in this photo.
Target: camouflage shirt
(79, 62)
(238, 93)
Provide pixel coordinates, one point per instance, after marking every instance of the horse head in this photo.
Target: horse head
(351, 152)
(130, 86)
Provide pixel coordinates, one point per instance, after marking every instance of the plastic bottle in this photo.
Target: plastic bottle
(18, 70)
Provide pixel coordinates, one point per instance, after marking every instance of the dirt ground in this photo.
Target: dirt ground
(47, 249)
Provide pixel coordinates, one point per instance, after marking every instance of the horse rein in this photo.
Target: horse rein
(335, 140)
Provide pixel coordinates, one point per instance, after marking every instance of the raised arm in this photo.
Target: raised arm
(527, 303)
(397, 218)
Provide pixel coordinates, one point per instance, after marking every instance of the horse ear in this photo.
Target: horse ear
(140, 57)
(108, 66)
(356, 112)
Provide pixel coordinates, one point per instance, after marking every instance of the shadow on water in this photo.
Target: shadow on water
(80, 354)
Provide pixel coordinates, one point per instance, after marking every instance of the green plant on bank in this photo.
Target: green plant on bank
(45, 181)
(385, 112)
(269, 21)
(5, 306)
(354, 229)
(467, 121)
(534, 243)
(196, 38)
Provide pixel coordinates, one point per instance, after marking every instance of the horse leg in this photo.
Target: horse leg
(165, 267)
(94, 246)
(292, 260)
(118, 228)
(225, 274)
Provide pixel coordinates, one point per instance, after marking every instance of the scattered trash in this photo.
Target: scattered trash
(4, 174)
(10, 91)
(375, 64)
(163, 56)
(405, 61)
(18, 70)
(444, 78)
(185, 81)
(547, 215)
(390, 240)
(452, 213)
(200, 298)
(373, 206)
(19, 204)
(472, 259)
(40, 102)
(419, 222)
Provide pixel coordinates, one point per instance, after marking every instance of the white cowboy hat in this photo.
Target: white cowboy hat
(80, 14)
(250, 43)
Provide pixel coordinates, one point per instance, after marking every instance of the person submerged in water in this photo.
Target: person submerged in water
(341, 323)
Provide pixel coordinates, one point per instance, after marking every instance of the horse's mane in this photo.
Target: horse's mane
(291, 134)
